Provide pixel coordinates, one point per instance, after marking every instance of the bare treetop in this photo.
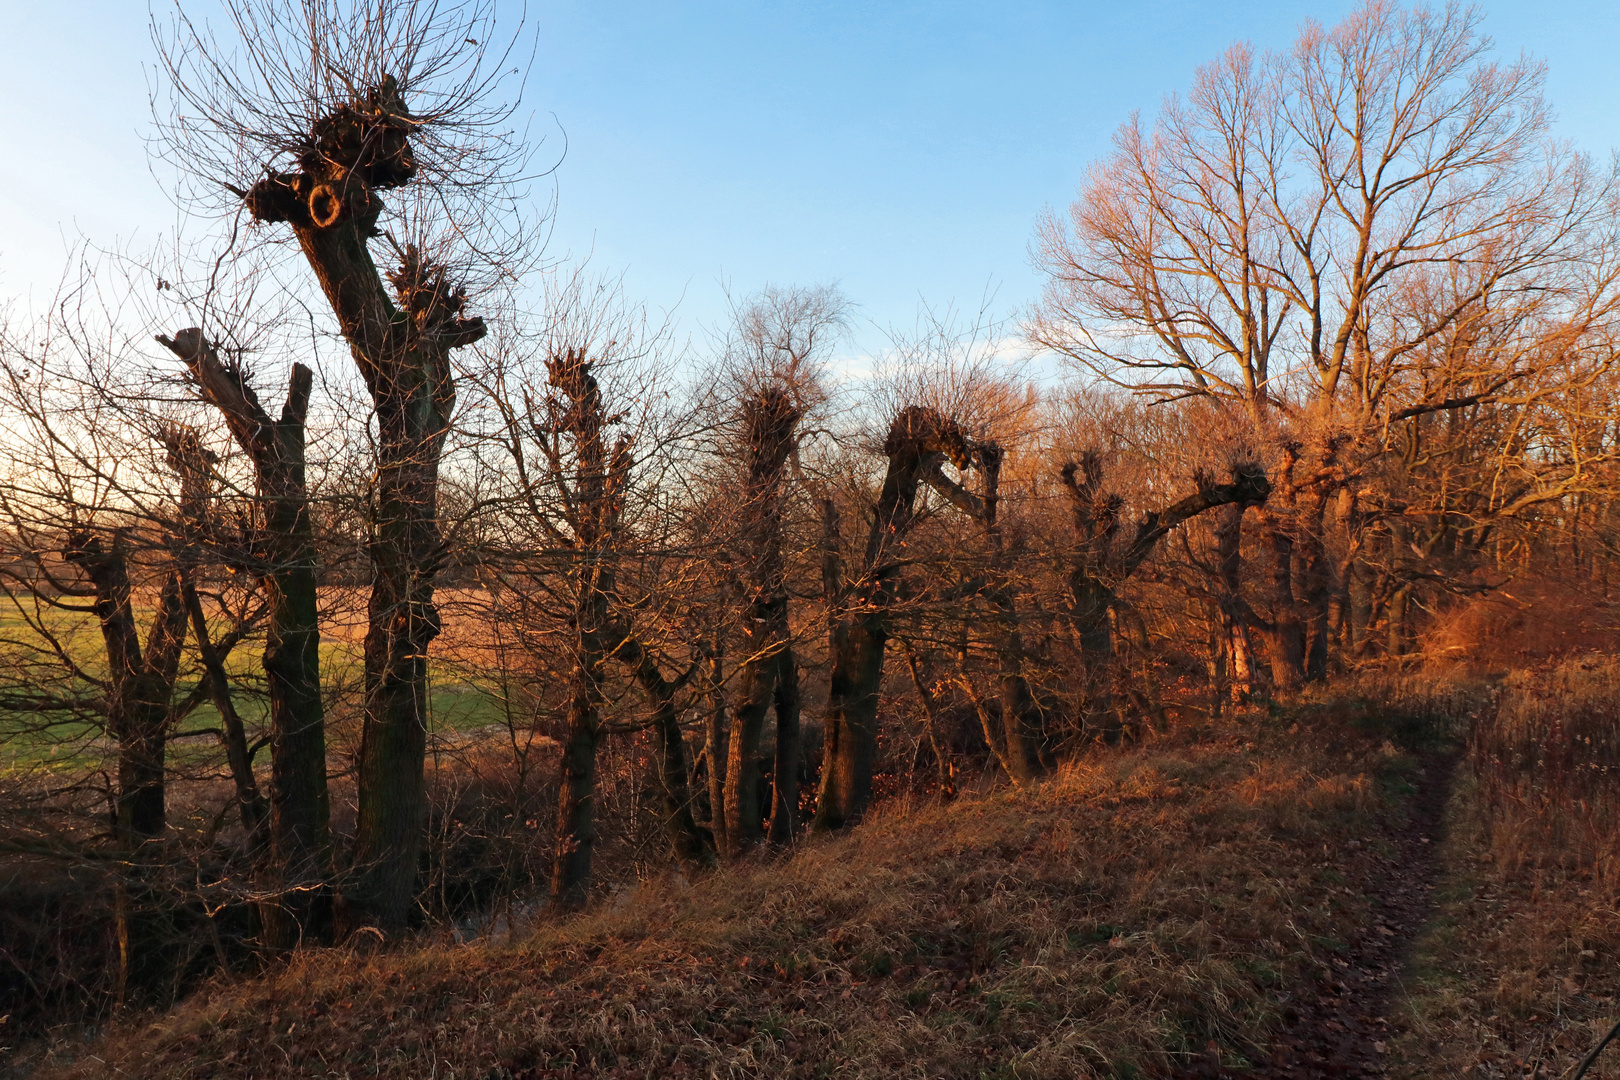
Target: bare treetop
(390, 92)
(1299, 225)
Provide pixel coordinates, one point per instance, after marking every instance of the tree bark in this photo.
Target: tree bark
(1096, 566)
(140, 687)
(285, 559)
(692, 845)
(403, 356)
(576, 797)
(917, 438)
(716, 748)
(789, 752)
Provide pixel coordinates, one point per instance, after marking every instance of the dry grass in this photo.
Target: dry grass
(1131, 914)
(1518, 975)
(1548, 765)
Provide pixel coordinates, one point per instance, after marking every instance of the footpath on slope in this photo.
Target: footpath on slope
(1344, 1024)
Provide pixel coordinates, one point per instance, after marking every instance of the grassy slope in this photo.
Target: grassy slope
(1519, 971)
(1142, 909)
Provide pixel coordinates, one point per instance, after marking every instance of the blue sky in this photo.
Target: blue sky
(902, 150)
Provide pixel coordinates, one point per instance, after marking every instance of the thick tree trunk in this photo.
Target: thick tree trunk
(745, 826)
(1240, 668)
(576, 796)
(768, 421)
(1317, 586)
(1285, 635)
(916, 441)
(1095, 565)
(140, 690)
(789, 752)
(403, 356)
(851, 723)
(1020, 715)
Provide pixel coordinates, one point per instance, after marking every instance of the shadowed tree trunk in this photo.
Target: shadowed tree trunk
(1097, 566)
(769, 421)
(402, 345)
(1022, 724)
(139, 691)
(1235, 614)
(789, 751)
(716, 749)
(594, 499)
(917, 438)
(941, 750)
(283, 554)
(691, 844)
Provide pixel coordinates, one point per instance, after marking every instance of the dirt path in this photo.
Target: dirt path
(1343, 1026)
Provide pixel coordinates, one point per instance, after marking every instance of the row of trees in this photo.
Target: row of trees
(1355, 306)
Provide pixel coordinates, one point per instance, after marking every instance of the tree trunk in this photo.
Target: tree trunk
(576, 797)
(789, 752)
(285, 558)
(1317, 586)
(140, 689)
(692, 846)
(1020, 716)
(1234, 621)
(851, 723)
(917, 439)
(941, 749)
(744, 770)
(716, 749)
(403, 354)
(1285, 636)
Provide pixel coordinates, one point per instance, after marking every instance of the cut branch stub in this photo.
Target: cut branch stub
(351, 152)
(370, 140)
(434, 306)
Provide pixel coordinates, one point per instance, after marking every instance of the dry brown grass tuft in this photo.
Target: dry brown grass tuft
(1127, 916)
(1547, 761)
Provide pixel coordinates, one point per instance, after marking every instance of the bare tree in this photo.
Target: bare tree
(770, 378)
(574, 458)
(1291, 237)
(309, 115)
(283, 554)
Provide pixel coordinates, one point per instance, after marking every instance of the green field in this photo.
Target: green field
(30, 740)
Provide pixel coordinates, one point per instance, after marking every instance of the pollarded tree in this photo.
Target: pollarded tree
(770, 378)
(343, 123)
(282, 551)
(575, 437)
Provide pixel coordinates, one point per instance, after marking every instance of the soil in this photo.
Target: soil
(1344, 1024)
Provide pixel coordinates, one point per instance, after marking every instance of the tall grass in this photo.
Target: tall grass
(1547, 761)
